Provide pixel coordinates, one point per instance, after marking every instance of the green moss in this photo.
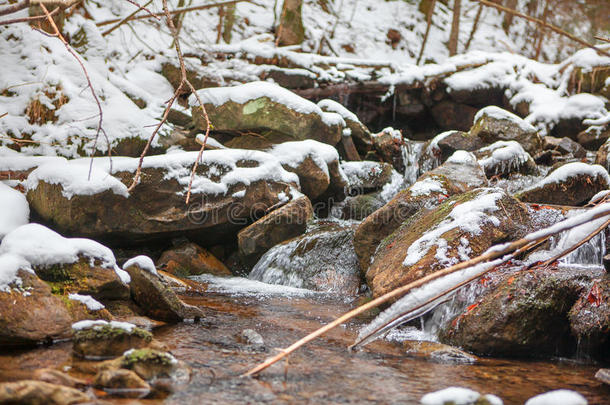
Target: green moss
(146, 356)
(107, 332)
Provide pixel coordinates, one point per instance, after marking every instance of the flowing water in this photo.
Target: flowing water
(321, 372)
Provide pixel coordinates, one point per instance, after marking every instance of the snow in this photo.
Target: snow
(19, 162)
(75, 180)
(563, 397)
(210, 142)
(462, 157)
(427, 186)
(144, 262)
(82, 325)
(468, 217)
(458, 396)
(40, 246)
(332, 106)
(599, 196)
(87, 300)
(294, 153)
(575, 169)
(10, 264)
(244, 93)
(501, 114)
(14, 210)
(505, 156)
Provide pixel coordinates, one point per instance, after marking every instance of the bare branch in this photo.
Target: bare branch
(15, 7)
(29, 19)
(544, 24)
(124, 20)
(174, 12)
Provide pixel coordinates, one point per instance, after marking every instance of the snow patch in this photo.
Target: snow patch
(88, 301)
(82, 325)
(143, 262)
(14, 210)
(563, 397)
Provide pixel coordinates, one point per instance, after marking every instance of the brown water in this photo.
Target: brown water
(322, 372)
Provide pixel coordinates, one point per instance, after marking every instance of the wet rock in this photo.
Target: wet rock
(565, 146)
(388, 144)
(590, 319)
(503, 158)
(437, 352)
(30, 313)
(56, 377)
(229, 187)
(279, 225)
(451, 141)
(252, 338)
(316, 165)
(152, 364)
(156, 299)
(460, 228)
(451, 115)
(102, 340)
(123, 383)
(459, 396)
(320, 260)
(40, 393)
(493, 124)
(190, 259)
(365, 177)
(454, 177)
(359, 133)
(571, 184)
(603, 375)
(564, 397)
(361, 206)
(594, 137)
(277, 115)
(514, 318)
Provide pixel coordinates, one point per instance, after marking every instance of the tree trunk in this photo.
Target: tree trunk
(455, 28)
(291, 31)
(508, 18)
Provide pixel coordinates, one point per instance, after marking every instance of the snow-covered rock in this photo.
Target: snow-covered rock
(14, 210)
(564, 397)
(459, 396)
(503, 158)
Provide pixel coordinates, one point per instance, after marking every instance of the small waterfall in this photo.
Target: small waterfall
(411, 152)
(589, 254)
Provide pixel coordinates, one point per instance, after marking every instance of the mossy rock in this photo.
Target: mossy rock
(107, 341)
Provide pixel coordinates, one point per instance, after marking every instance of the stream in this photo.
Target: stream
(324, 371)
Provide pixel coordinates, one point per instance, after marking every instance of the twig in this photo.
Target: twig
(491, 254)
(428, 24)
(174, 12)
(3, 115)
(144, 8)
(29, 19)
(602, 38)
(544, 24)
(184, 82)
(124, 20)
(100, 128)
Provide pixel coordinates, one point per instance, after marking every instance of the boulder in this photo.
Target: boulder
(189, 259)
(56, 377)
(320, 260)
(493, 124)
(121, 382)
(454, 177)
(153, 364)
(359, 133)
(275, 114)
(29, 312)
(450, 115)
(594, 137)
(40, 393)
(316, 165)
(590, 319)
(571, 184)
(230, 186)
(366, 176)
(460, 228)
(97, 340)
(514, 318)
(437, 352)
(451, 141)
(279, 225)
(389, 144)
(565, 146)
(504, 158)
(156, 299)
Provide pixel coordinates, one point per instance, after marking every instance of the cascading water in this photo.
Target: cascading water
(411, 152)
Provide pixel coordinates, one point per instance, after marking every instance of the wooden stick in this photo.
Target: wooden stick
(124, 20)
(174, 12)
(429, 23)
(400, 291)
(544, 24)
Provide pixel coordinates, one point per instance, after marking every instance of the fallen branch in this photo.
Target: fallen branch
(174, 12)
(491, 254)
(544, 24)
